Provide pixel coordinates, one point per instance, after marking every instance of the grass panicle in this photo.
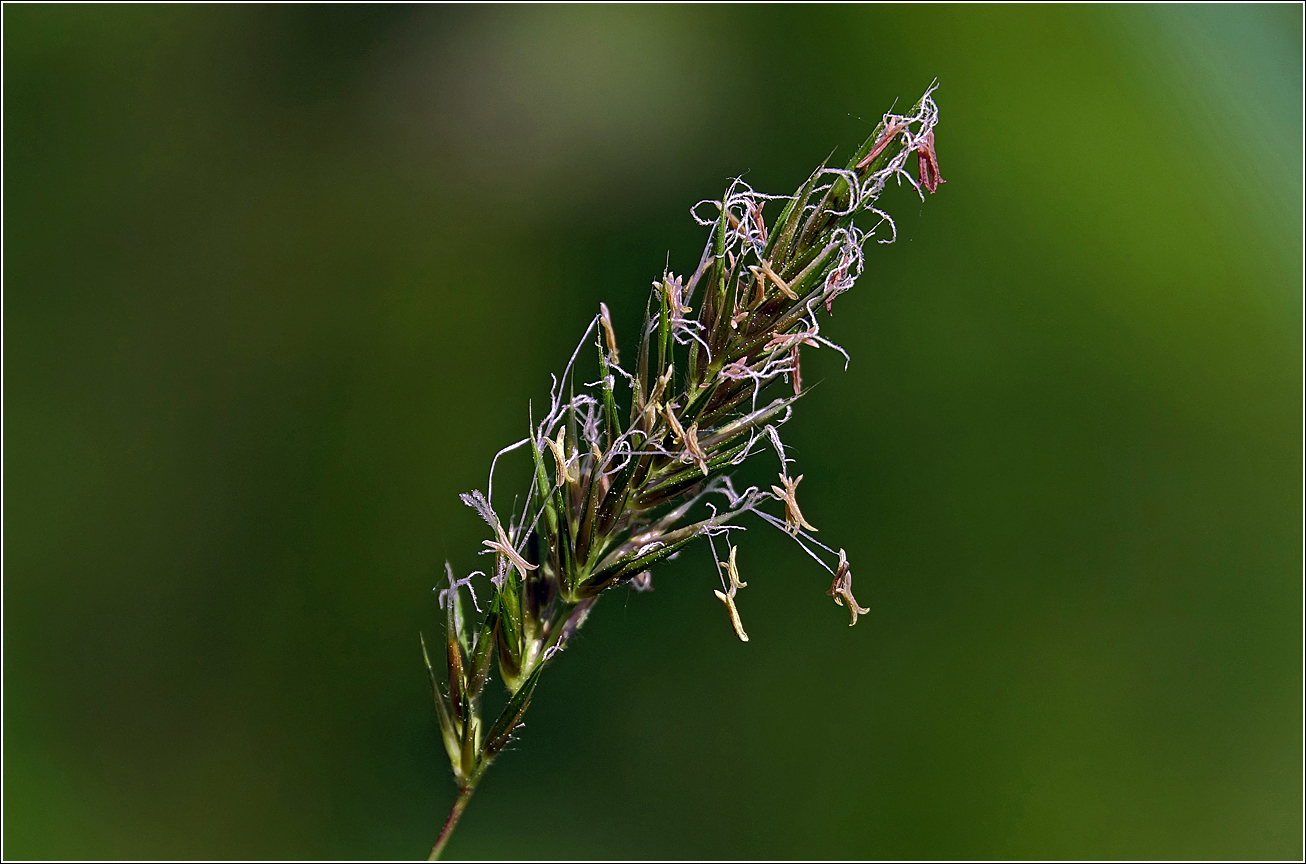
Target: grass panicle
(607, 499)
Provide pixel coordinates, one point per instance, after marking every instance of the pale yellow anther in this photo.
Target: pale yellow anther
(728, 597)
(674, 288)
(793, 516)
(734, 614)
(732, 570)
(841, 588)
(605, 318)
(672, 423)
(775, 278)
(504, 547)
(688, 439)
(663, 380)
(695, 451)
(565, 473)
(654, 400)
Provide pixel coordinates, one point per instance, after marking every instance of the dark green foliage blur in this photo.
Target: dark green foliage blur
(278, 281)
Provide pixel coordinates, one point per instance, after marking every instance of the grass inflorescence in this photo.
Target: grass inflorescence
(616, 490)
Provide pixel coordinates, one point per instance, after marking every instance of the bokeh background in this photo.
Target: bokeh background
(280, 280)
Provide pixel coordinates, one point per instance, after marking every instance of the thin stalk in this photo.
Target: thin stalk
(459, 805)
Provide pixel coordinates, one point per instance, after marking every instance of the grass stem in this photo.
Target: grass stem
(459, 805)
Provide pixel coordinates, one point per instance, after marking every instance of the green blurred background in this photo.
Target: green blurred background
(280, 280)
